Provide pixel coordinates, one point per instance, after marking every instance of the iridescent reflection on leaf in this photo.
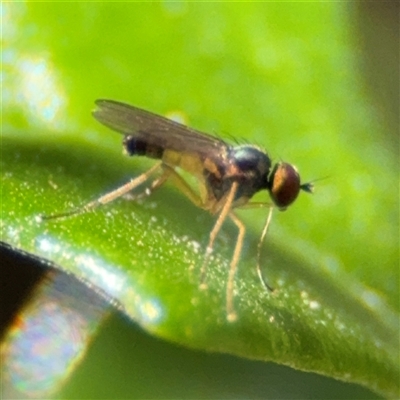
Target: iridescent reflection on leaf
(50, 336)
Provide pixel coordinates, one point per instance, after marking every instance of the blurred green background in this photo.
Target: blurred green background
(316, 84)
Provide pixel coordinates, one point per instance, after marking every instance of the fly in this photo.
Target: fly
(227, 176)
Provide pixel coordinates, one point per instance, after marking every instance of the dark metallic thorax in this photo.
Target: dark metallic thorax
(247, 165)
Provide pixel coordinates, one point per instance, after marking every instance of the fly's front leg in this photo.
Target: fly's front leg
(218, 224)
(262, 237)
(259, 247)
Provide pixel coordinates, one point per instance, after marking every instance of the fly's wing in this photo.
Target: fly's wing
(157, 130)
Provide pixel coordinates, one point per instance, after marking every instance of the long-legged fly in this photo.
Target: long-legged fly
(227, 176)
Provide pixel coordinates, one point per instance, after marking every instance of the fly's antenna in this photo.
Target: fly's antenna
(259, 247)
(309, 186)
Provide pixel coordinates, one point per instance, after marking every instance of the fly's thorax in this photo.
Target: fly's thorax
(284, 184)
(250, 166)
(247, 165)
(135, 146)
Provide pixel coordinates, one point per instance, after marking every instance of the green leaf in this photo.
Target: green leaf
(285, 79)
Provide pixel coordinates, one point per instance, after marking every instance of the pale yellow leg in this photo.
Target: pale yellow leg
(218, 224)
(259, 247)
(256, 204)
(263, 234)
(184, 187)
(170, 174)
(107, 197)
(230, 308)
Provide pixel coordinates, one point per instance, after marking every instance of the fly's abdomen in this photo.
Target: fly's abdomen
(135, 146)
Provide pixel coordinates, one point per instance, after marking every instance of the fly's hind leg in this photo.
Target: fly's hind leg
(168, 173)
(183, 186)
(122, 190)
(171, 175)
(155, 184)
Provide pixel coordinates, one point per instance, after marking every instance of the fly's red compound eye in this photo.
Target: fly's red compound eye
(284, 184)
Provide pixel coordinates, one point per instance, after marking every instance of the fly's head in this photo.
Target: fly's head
(284, 185)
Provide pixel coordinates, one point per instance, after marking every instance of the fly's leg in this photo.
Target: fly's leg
(122, 190)
(230, 309)
(155, 184)
(184, 187)
(170, 174)
(259, 247)
(218, 224)
(262, 237)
